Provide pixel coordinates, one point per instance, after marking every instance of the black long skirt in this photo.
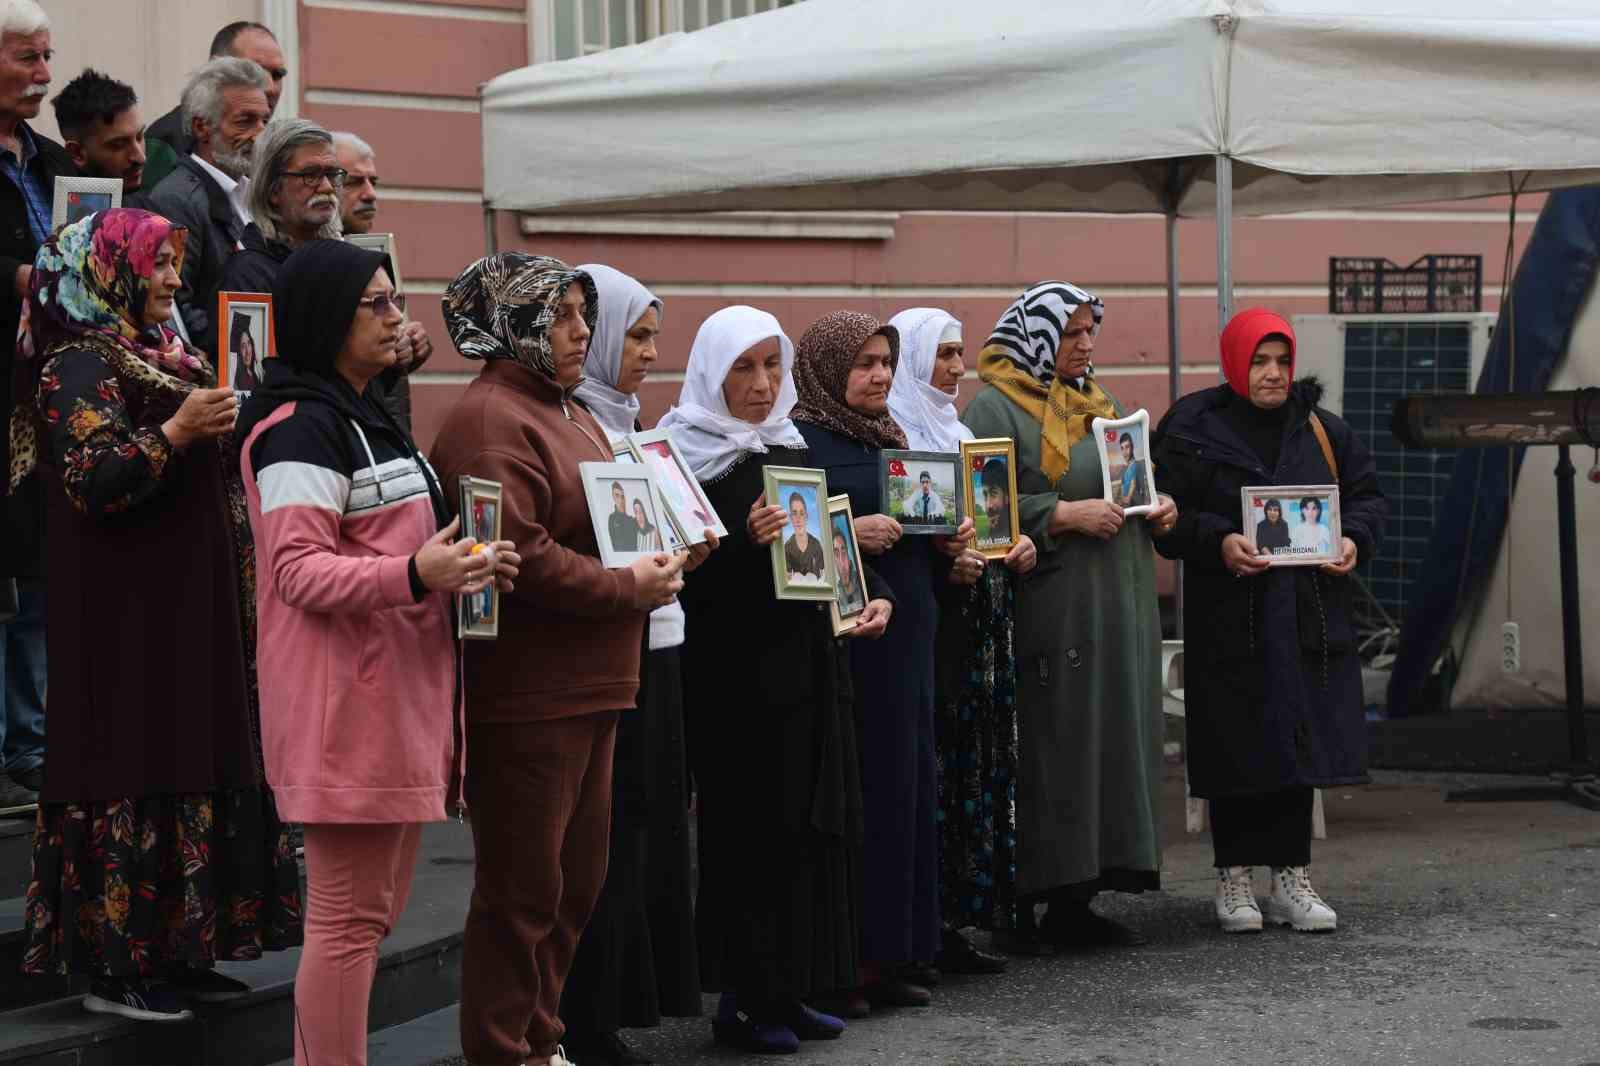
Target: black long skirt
(637, 959)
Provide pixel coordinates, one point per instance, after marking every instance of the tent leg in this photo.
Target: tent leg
(1224, 241)
(491, 239)
(1174, 376)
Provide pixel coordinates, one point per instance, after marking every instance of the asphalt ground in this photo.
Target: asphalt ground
(1468, 934)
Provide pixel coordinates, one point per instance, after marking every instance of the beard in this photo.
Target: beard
(234, 162)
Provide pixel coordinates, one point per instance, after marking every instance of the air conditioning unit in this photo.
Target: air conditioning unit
(1366, 363)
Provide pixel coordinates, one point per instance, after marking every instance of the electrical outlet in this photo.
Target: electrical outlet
(1510, 648)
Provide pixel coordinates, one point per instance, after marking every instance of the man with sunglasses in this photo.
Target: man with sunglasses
(242, 40)
(295, 183)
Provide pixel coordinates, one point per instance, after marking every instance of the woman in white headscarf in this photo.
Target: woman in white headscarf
(637, 959)
(975, 710)
(765, 679)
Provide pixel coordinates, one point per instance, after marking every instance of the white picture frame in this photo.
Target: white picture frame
(690, 508)
(1295, 545)
(384, 244)
(1134, 490)
(624, 540)
(77, 198)
(621, 453)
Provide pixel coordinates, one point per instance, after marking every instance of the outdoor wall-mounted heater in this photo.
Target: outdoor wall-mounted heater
(1546, 418)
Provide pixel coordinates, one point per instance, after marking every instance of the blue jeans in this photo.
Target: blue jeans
(22, 658)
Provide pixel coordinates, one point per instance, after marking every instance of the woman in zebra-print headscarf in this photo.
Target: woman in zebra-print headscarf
(1087, 636)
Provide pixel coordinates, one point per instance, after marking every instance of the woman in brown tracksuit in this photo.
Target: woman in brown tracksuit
(543, 699)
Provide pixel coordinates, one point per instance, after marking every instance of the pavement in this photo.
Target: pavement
(1469, 934)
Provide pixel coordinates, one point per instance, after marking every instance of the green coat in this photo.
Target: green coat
(1088, 651)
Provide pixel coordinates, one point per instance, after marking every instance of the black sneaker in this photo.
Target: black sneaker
(137, 1000)
(206, 986)
(14, 793)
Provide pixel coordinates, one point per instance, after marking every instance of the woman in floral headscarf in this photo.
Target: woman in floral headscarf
(544, 698)
(843, 370)
(1087, 635)
(158, 850)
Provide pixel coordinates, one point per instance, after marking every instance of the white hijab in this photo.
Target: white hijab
(711, 438)
(622, 301)
(928, 415)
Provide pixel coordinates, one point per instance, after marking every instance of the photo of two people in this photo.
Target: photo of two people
(1293, 523)
(633, 525)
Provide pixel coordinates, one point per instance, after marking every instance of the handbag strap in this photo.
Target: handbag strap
(1327, 446)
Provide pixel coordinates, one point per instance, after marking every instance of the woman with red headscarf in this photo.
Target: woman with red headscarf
(1277, 711)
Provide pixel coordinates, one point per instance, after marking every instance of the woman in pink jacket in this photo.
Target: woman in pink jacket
(356, 653)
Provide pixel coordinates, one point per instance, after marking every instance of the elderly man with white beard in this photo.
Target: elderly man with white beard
(225, 103)
(294, 198)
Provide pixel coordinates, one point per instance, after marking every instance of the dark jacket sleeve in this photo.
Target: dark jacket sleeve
(1198, 534)
(1363, 510)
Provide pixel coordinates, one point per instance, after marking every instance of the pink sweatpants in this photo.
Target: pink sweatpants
(357, 880)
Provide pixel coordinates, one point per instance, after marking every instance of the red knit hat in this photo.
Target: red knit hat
(1245, 332)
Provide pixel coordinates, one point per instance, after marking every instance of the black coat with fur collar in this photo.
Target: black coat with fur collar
(1273, 695)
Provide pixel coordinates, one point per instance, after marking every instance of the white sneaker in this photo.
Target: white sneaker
(1295, 903)
(560, 1058)
(1236, 901)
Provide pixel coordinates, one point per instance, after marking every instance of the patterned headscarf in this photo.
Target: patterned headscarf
(502, 307)
(822, 369)
(927, 414)
(90, 284)
(623, 301)
(1020, 361)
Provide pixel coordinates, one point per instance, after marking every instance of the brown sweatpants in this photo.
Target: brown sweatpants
(539, 794)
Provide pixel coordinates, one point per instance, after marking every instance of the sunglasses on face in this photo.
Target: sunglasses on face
(381, 303)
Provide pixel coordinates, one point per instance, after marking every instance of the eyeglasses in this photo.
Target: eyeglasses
(315, 176)
(381, 303)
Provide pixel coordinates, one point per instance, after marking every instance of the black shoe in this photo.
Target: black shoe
(960, 955)
(810, 1024)
(138, 1000)
(1083, 928)
(741, 1031)
(14, 793)
(607, 1048)
(922, 973)
(206, 986)
(896, 992)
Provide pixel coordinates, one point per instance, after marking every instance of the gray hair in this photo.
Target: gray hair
(202, 96)
(350, 142)
(277, 143)
(22, 16)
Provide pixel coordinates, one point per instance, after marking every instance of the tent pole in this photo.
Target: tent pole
(491, 239)
(1224, 241)
(1174, 376)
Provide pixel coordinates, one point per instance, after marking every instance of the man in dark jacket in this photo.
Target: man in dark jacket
(102, 129)
(241, 40)
(1274, 705)
(294, 198)
(226, 101)
(31, 163)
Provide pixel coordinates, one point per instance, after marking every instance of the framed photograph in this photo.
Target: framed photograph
(629, 520)
(921, 490)
(691, 510)
(479, 614)
(245, 339)
(78, 198)
(384, 243)
(802, 562)
(621, 453)
(1125, 468)
(1295, 525)
(849, 578)
(989, 493)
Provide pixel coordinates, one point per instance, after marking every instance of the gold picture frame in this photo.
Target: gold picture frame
(791, 577)
(977, 484)
(848, 603)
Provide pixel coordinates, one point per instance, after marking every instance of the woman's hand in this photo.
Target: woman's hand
(507, 563)
(764, 523)
(1089, 518)
(874, 620)
(205, 415)
(657, 579)
(877, 533)
(1024, 556)
(448, 565)
(698, 553)
(954, 545)
(1347, 559)
(1164, 517)
(1238, 557)
(967, 568)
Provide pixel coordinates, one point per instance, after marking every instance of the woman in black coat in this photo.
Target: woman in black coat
(1278, 710)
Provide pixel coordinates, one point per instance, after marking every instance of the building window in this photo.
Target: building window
(566, 29)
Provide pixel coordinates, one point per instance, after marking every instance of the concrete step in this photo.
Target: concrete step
(16, 854)
(418, 973)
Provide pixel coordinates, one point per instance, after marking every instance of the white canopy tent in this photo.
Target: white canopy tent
(1180, 107)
